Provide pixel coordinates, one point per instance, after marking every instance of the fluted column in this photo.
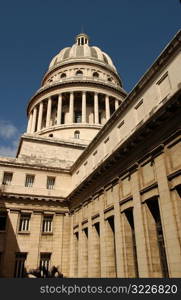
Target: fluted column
(116, 104)
(96, 109)
(59, 109)
(40, 115)
(71, 108)
(83, 107)
(107, 107)
(34, 120)
(49, 109)
(29, 123)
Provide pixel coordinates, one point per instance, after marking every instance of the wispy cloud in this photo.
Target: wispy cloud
(8, 138)
(7, 130)
(8, 151)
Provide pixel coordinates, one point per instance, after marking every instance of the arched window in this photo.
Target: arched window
(63, 75)
(77, 134)
(109, 79)
(51, 135)
(79, 73)
(95, 75)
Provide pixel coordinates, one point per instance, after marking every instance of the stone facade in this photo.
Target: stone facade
(96, 184)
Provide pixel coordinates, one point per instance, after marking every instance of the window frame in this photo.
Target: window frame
(31, 183)
(23, 217)
(47, 224)
(19, 267)
(4, 177)
(50, 186)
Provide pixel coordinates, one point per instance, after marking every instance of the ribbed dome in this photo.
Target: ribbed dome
(82, 50)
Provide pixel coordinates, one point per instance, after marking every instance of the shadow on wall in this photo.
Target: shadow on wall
(12, 260)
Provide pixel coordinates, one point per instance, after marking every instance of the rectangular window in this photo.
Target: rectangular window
(164, 86)
(20, 259)
(50, 183)
(24, 222)
(7, 178)
(3, 218)
(45, 260)
(29, 180)
(47, 224)
(139, 110)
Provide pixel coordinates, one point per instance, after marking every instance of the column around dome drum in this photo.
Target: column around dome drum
(107, 107)
(83, 107)
(40, 115)
(116, 104)
(29, 123)
(71, 108)
(59, 109)
(34, 120)
(49, 108)
(96, 109)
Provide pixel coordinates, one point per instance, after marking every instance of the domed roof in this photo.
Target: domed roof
(82, 50)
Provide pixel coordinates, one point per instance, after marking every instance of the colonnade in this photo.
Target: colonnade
(36, 115)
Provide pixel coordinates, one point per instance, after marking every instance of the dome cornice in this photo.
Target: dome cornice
(70, 62)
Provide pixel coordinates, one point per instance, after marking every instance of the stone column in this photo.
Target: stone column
(33, 255)
(107, 107)
(141, 245)
(116, 104)
(83, 107)
(84, 258)
(40, 114)
(170, 230)
(103, 237)
(29, 123)
(49, 109)
(96, 109)
(71, 108)
(95, 258)
(110, 247)
(34, 120)
(59, 109)
(118, 232)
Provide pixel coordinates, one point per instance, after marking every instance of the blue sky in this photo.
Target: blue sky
(132, 32)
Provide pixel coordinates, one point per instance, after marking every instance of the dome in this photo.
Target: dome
(82, 51)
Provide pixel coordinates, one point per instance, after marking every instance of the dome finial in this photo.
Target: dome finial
(82, 39)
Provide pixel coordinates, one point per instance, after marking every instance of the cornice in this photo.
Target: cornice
(13, 196)
(25, 165)
(77, 61)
